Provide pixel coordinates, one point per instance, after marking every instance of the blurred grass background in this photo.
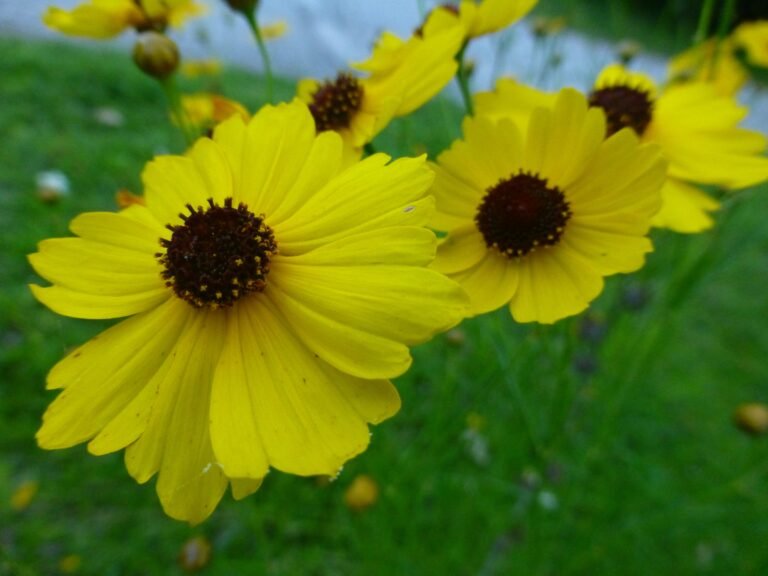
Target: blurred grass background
(478, 475)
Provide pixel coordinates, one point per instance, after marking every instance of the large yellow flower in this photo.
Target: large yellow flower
(536, 219)
(102, 19)
(696, 128)
(403, 75)
(269, 294)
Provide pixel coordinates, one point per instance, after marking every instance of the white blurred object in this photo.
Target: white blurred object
(52, 185)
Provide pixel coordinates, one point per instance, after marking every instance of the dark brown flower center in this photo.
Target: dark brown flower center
(218, 255)
(521, 213)
(335, 102)
(624, 107)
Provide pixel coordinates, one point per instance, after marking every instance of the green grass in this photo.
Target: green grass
(638, 454)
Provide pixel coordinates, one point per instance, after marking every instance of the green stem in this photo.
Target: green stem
(254, 25)
(173, 96)
(462, 77)
(705, 21)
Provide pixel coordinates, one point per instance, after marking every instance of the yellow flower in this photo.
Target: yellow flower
(698, 132)
(273, 30)
(696, 128)
(24, 494)
(362, 493)
(753, 38)
(103, 19)
(196, 68)
(403, 75)
(269, 295)
(711, 62)
(536, 219)
(204, 110)
(480, 17)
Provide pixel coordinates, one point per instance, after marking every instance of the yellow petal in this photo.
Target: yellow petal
(243, 487)
(361, 198)
(302, 410)
(685, 208)
(98, 306)
(101, 377)
(554, 283)
(462, 249)
(277, 143)
(491, 283)
(170, 183)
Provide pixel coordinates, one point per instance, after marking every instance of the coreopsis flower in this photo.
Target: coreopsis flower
(403, 75)
(205, 110)
(752, 37)
(203, 67)
(712, 62)
(536, 219)
(268, 295)
(696, 128)
(698, 131)
(481, 17)
(102, 19)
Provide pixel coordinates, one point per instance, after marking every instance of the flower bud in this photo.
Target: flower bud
(156, 54)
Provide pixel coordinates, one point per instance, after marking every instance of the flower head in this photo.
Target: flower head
(698, 131)
(536, 219)
(103, 19)
(403, 75)
(205, 110)
(696, 128)
(269, 294)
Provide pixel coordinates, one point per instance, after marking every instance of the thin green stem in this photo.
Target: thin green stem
(462, 77)
(254, 25)
(705, 21)
(173, 96)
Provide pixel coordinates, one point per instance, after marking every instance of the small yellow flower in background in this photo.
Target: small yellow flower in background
(484, 17)
(752, 37)
(102, 19)
(712, 62)
(698, 132)
(204, 110)
(24, 494)
(70, 564)
(362, 493)
(195, 554)
(536, 219)
(197, 68)
(125, 198)
(273, 30)
(269, 295)
(752, 418)
(403, 75)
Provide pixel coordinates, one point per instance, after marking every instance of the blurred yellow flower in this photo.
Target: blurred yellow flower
(196, 68)
(698, 132)
(403, 75)
(70, 564)
(24, 494)
(753, 38)
(480, 17)
(273, 30)
(712, 62)
(101, 19)
(204, 111)
(269, 293)
(362, 493)
(535, 219)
